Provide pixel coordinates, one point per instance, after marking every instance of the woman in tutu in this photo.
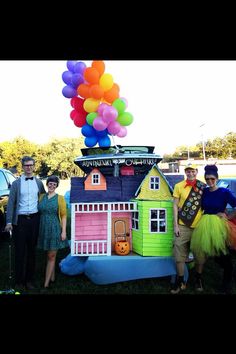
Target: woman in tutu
(214, 233)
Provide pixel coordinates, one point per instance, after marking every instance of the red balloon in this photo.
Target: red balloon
(80, 119)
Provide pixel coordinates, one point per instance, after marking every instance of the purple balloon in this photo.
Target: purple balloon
(66, 77)
(76, 80)
(79, 68)
(71, 64)
(69, 92)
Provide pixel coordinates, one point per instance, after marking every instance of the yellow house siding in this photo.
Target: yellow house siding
(163, 193)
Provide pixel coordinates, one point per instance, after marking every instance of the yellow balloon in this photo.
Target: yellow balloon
(106, 82)
(91, 105)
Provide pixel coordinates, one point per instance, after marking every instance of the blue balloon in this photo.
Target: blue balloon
(67, 76)
(90, 141)
(76, 80)
(69, 92)
(104, 141)
(71, 64)
(79, 67)
(101, 133)
(88, 131)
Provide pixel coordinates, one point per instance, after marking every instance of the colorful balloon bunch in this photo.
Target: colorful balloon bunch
(97, 106)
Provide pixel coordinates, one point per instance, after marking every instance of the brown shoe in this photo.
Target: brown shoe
(177, 288)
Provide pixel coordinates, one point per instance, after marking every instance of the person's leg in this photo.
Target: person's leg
(20, 250)
(50, 267)
(181, 251)
(32, 235)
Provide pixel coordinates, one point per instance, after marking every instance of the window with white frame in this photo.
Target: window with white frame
(158, 220)
(95, 178)
(135, 222)
(154, 182)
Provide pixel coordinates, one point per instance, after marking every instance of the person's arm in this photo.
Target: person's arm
(10, 207)
(62, 215)
(63, 227)
(176, 217)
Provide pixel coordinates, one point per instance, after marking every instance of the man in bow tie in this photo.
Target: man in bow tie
(23, 219)
(187, 212)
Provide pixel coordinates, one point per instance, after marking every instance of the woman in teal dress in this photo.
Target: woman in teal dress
(52, 228)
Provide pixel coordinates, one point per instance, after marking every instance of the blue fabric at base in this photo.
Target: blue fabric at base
(114, 269)
(72, 265)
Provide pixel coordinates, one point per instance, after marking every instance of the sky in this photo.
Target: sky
(173, 103)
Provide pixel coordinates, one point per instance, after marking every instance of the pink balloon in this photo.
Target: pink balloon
(109, 114)
(122, 133)
(113, 128)
(101, 108)
(99, 124)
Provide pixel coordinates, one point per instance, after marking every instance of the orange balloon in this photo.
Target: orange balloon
(112, 94)
(96, 92)
(99, 65)
(117, 86)
(91, 75)
(83, 90)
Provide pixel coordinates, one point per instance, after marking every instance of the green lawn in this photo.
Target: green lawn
(80, 284)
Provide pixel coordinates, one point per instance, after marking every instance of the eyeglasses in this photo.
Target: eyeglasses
(210, 179)
(28, 165)
(52, 184)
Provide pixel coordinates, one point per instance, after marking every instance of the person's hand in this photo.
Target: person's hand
(222, 215)
(8, 227)
(63, 236)
(176, 231)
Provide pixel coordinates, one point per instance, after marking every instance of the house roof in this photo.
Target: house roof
(161, 173)
(121, 188)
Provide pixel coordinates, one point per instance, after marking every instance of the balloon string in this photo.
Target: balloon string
(117, 149)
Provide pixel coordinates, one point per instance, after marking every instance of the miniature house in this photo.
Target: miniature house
(121, 196)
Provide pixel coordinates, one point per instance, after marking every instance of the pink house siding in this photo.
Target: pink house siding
(91, 226)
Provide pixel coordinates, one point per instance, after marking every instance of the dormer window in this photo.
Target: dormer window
(154, 183)
(95, 178)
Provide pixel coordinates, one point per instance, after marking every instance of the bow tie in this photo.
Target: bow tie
(26, 178)
(191, 184)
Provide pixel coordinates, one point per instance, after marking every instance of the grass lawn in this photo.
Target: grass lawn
(80, 284)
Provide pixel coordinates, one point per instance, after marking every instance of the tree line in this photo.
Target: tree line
(56, 157)
(219, 148)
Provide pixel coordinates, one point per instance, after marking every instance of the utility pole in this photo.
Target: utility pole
(203, 143)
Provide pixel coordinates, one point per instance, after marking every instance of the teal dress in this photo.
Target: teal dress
(49, 228)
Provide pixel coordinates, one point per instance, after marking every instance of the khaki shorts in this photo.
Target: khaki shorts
(182, 243)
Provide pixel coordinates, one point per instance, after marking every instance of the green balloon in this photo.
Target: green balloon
(119, 105)
(90, 117)
(125, 118)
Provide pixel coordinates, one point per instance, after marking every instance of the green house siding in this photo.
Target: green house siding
(148, 243)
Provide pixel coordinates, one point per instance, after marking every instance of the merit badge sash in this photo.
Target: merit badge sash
(192, 204)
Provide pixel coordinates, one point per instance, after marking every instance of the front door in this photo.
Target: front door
(120, 230)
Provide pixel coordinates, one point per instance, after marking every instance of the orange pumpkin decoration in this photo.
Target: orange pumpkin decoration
(122, 248)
